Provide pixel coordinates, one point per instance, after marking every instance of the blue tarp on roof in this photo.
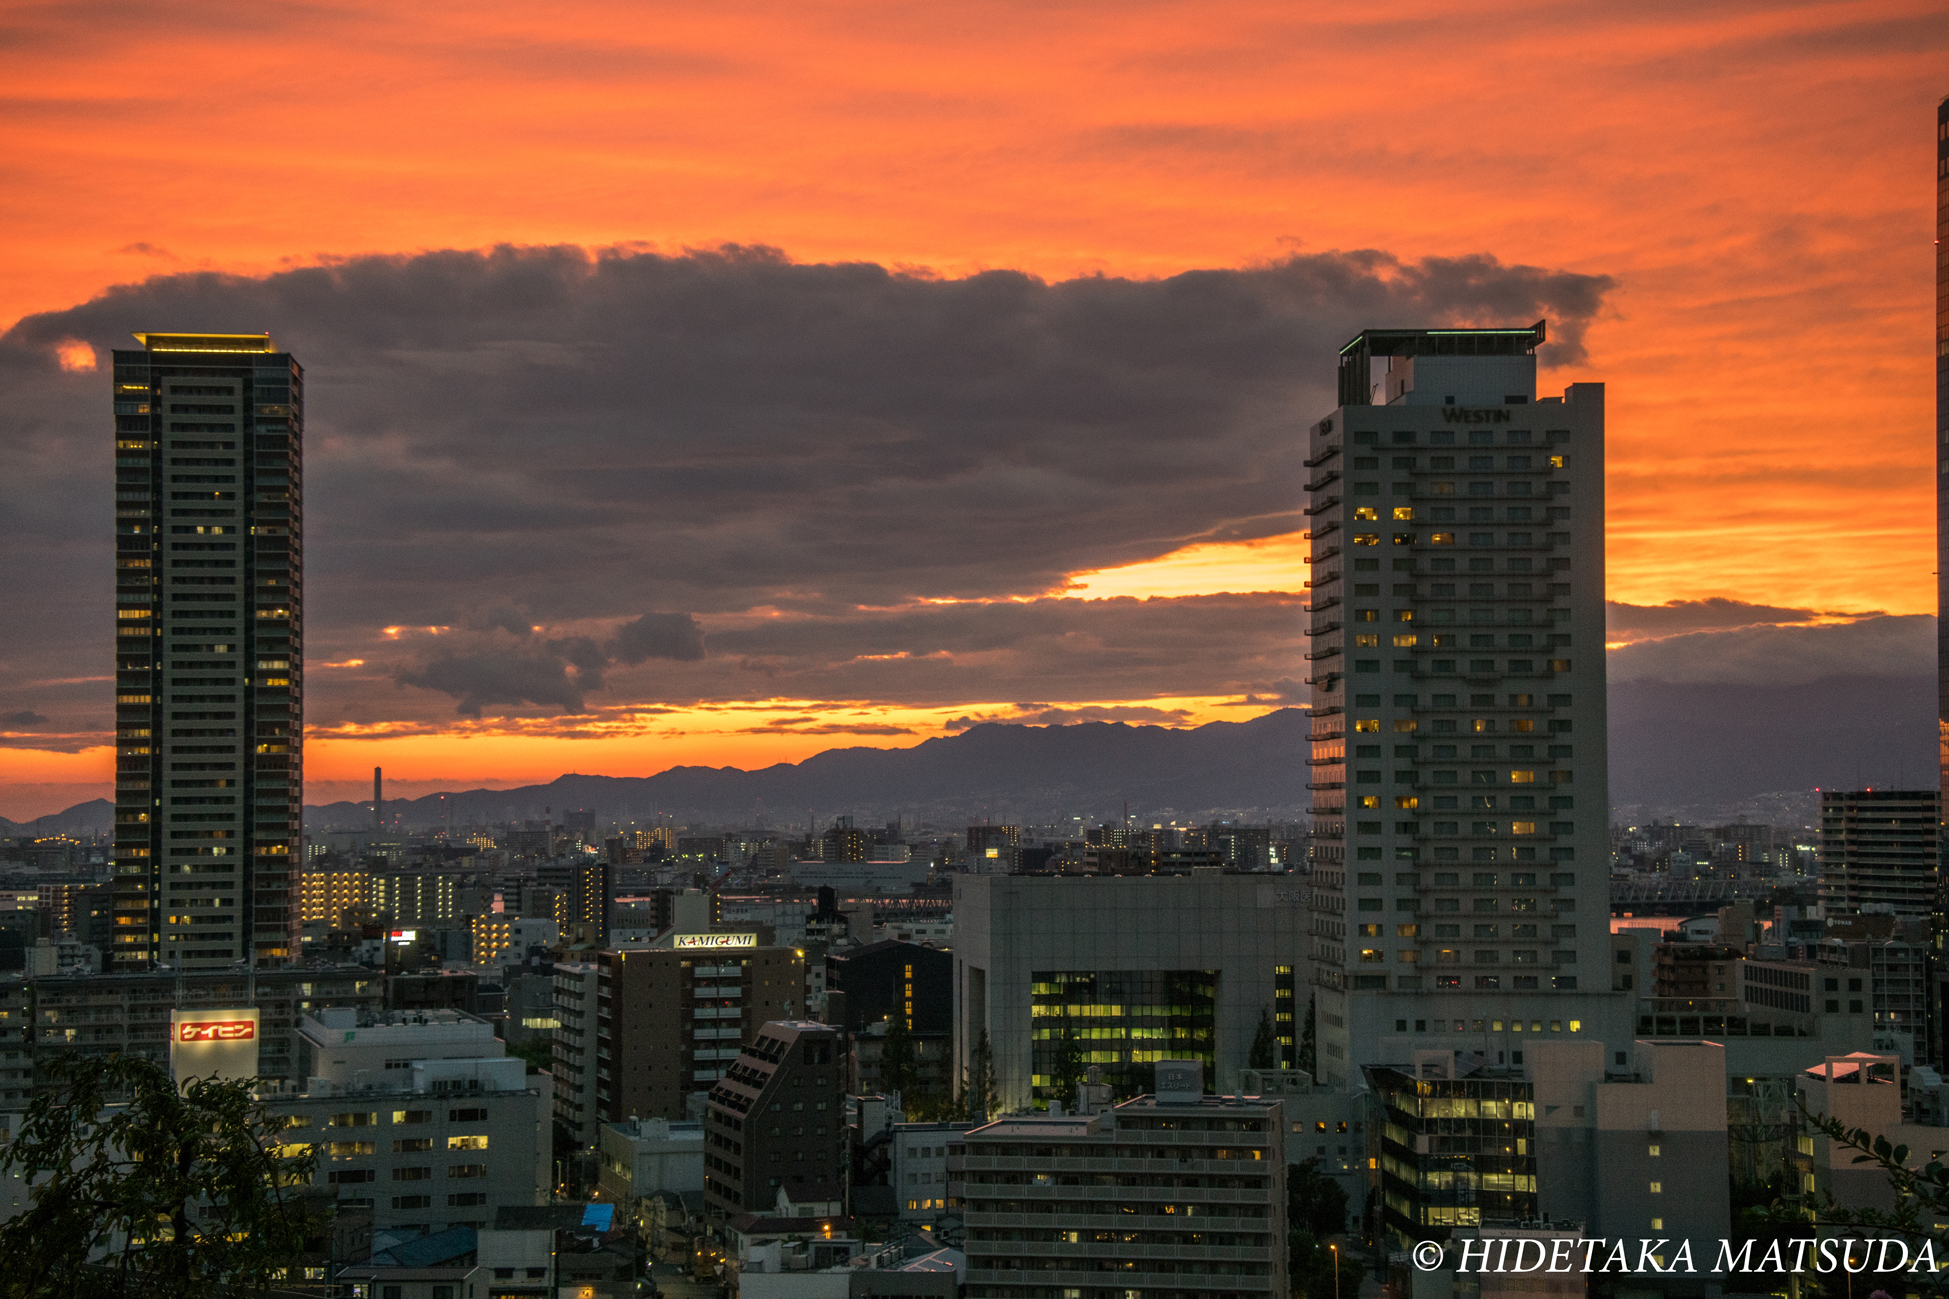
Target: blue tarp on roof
(429, 1251)
(599, 1216)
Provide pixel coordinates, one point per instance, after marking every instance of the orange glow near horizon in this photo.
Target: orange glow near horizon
(1264, 564)
(618, 740)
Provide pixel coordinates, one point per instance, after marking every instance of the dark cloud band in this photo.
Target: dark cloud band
(544, 436)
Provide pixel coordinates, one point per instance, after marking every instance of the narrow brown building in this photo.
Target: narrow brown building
(776, 1123)
(671, 1019)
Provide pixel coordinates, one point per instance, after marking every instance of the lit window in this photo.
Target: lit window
(1366, 615)
(1369, 641)
(1483, 725)
(1652, 1150)
(1404, 615)
(1367, 514)
(1657, 1224)
(1522, 724)
(1404, 538)
(1405, 725)
(1407, 931)
(1368, 800)
(1367, 724)
(1403, 641)
(1522, 827)
(1366, 538)
(1522, 778)
(1407, 955)
(1657, 1188)
(1406, 801)
(1404, 513)
(1370, 955)
(1558, 462)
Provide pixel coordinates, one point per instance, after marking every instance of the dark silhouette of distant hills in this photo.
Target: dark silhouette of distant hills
(1706, 746)
(96, 816)
(1018, 773)
(1690, 748)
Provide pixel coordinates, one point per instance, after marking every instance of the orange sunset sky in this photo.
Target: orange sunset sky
(1756, 180)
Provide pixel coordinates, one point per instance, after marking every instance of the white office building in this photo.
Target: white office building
(1456, 658)
(919, 1169)
(1127, 969)
(640, 1157)
(575, 1050)
(420, 1117)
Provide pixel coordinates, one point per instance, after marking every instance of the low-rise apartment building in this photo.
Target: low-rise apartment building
(640, 1157)
(919, 1171)
(1167, 1194)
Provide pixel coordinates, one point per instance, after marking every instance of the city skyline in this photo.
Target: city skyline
(820, 621)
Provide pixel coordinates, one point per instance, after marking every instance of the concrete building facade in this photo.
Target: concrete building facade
(1458, 765)
(1879, 851)
(1194, 1201)
(671, 1019)
(776, 1123)
(1135, 969)
(420, 1119)
(1638, 1149)
(576, 1036)
(919, 1172)
(642, 1157)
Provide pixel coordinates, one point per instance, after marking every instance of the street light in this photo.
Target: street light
(1336, 1270)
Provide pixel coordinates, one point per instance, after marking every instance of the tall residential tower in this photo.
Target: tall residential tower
(209, 685)
(1457, 668)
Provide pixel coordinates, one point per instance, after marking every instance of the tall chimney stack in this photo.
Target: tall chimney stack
(378, 817)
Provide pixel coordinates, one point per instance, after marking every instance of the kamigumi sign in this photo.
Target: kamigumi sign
(715, 940)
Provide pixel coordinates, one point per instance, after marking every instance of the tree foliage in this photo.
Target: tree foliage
(1265, 1045)
(1067, 1074)
(1310, 1267)
(899, 1060)
(1314, 1201)
(1309, 1039)
(1921, 1201)
(539, 1052)
(977, 1100)
(139, 1189)
(1921, 1194)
